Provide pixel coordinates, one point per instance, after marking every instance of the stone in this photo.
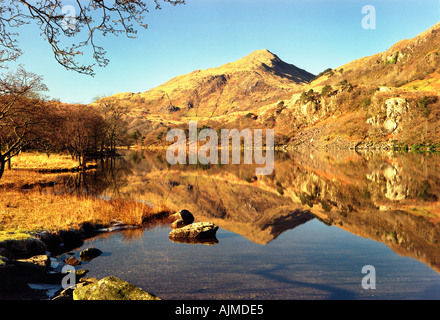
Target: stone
(112, 288)
(72, 261)
(89, 254)
(3, 261)
(181, 218)
(40, 262)
(22, 249)
(88, 280)
(396, 108)
(206, 242)
(199, 230)
(178, 224)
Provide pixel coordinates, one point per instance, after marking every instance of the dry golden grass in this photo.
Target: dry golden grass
(33, 211)
(15, 179)
(28, 160)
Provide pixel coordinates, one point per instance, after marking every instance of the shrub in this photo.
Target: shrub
(366, 102)
(423, 105)
(307, 96)
(326, 90)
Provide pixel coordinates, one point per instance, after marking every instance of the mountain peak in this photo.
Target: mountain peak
(266, 61)
(261, 56)
(262, 53)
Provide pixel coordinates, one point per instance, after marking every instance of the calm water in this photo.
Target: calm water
(303, 233)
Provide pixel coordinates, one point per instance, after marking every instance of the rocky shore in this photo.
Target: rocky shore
(43, 267)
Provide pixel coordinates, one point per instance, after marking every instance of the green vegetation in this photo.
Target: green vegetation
(345, 85)
(280, 107)
(366, 102)
(423, 193)
(423, 105)
(308, 96)
(326, 90)
(326, 206)
(327, 72)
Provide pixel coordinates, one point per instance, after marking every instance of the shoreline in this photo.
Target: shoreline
(25, 278)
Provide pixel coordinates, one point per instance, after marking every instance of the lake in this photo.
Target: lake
(304, 232)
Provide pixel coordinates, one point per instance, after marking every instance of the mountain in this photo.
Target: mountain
(387, 100)
(405, 64)
(241, 85)
(238, 87)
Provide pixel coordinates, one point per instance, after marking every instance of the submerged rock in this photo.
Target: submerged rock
(199, 230)
(72, 261)
(89, 254)
(111, 288)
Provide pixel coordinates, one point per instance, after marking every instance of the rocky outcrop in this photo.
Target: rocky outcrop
(111, 288)
(395, 109)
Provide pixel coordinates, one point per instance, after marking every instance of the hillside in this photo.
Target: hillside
(405, 63)
(247, 83)
(230, 91)
(386, 100)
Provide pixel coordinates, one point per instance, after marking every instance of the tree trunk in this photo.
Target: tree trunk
(2, 166)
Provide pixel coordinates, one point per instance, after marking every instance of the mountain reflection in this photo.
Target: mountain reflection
(387, 197)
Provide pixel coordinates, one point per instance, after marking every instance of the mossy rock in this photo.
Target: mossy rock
(111, 288)
(22, 247)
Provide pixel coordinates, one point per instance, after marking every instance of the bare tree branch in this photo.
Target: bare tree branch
(91, 18)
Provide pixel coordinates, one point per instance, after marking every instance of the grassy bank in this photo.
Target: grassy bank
(35, 161)
(32, 211)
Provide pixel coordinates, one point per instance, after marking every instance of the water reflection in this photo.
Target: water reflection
(387, 197)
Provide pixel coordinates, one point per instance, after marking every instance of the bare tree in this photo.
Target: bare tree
(113, 112)
(21, 112)
(81, 127)
(57, 23)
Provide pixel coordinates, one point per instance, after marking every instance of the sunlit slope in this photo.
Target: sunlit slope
(258, 79)
(407, 61)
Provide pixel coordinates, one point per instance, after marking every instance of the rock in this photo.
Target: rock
(3, 261)
(111, 288)
(39, 262)
(181, 218)
(178, 224)
(72, 261)
(88, 280)
(22, 249)
(207, 242)
(89, 254)
(396, 109)
(200, 230)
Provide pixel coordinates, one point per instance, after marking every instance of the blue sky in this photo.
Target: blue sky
(311, 34)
